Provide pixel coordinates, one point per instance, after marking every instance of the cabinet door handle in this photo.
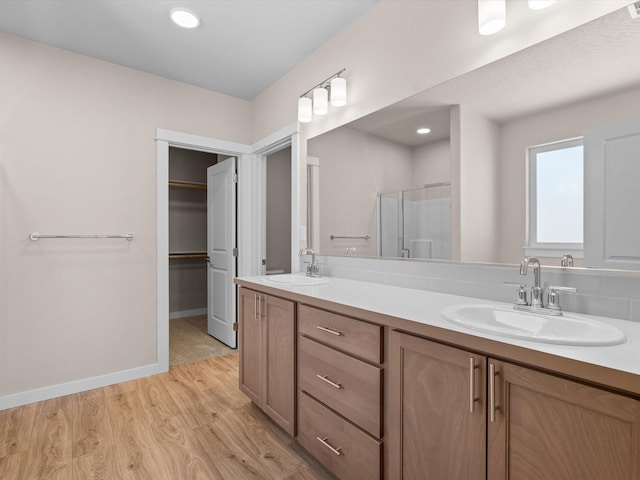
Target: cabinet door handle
(324, 442)
(328, 330)
(326, 379)
(472, 384)
(255, 306)
(492, 392)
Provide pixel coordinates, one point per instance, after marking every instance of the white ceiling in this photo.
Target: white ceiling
(592, 60)
(240, 48)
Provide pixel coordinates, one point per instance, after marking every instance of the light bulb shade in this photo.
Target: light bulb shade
(338, 92)
(305, 114)
(540, 4)
(492, 16)
(320, 101)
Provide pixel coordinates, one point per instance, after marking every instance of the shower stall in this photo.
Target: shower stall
(415, 223)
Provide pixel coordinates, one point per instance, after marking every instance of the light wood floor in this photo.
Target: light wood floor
(190, 342)
(190, 423)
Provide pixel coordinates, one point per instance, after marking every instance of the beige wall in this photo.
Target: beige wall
(78, 155)
(558, 124)
(354, 168)
(279, 210)
(475, 147)
(432, 162)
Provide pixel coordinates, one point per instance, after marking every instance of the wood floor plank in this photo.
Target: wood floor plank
(16, 425)
(244, 447)
(90, 423)
(190, 423)
(49, 453)
(12, 466)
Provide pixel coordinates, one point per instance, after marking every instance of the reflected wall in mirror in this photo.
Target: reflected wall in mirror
(481, 126)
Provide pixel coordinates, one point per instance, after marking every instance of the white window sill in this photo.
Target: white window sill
(553, 252)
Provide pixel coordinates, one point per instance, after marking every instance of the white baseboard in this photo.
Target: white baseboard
(54, 391)
(187, 313)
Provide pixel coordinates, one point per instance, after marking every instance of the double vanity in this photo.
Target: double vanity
(377, 381)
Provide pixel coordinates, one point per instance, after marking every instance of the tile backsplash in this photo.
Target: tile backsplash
(603, 293)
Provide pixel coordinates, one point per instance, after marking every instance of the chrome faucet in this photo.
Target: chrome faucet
(566, 261)
(536, 291)
(537, 304)
(313, 269)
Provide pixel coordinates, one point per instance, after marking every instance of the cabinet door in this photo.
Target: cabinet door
(250, 346)
(437, 414)
(279, 361)
(548, 428)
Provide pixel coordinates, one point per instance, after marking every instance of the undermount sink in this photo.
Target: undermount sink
(568, 329)
(293, 279)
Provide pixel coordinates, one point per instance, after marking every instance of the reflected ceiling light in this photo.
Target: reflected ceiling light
(305, 113)
(333, 89)
(320, 101)
(540, 4)
(492, 16)
(423, 130)
(184, 18)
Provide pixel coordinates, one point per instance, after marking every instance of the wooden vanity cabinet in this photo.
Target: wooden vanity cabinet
(266, 334)
(450, 409)
(437, 415)
(549, 428)
(340, 392)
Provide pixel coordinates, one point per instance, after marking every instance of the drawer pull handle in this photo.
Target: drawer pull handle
(333, 384)
(472, 384)
(324, 442)
(492, 393)
(328, 330)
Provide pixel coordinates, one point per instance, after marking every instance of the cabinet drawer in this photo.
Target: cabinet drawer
(343, 449)
(349, 386)
(354, 336)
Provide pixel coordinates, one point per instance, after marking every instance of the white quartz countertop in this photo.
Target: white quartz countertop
(424, 307)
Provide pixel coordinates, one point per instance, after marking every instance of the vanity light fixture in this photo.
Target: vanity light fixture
(320, 101)
(331, 90)
(540, 4)
(184, 18)
(423, 131)
(305, 110)
(338, 88)
(492, 16)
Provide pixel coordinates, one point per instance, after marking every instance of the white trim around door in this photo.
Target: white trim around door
(249, 222)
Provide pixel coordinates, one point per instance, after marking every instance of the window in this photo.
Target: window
(555, 213)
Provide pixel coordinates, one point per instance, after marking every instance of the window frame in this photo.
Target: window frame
(532, 246)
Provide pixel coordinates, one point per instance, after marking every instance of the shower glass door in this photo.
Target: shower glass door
(426, 222)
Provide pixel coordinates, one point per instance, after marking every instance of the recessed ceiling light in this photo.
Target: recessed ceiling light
(423, 131)
(184, 18)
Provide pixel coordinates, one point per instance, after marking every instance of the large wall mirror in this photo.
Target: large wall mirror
(377, 187)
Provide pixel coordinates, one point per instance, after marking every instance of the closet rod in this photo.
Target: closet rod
(37, 236)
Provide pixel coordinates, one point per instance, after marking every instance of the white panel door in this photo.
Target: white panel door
(221, 243)
(612, 196)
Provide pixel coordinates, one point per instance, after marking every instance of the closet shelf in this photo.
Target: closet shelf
(189, 255)
(194, 185)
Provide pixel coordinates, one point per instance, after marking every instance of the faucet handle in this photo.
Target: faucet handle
(553, 299)
(522, 292)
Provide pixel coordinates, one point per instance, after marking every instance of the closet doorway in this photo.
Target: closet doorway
(189, 295)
